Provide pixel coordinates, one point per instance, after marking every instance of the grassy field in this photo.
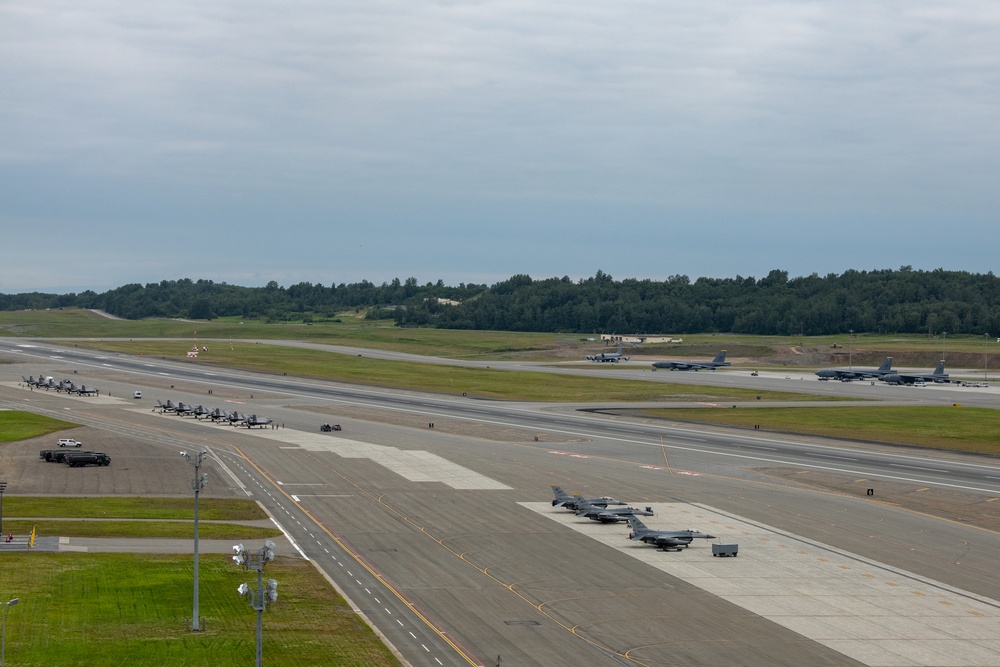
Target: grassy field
(167, 530)
(18, 425)
(108, 507)
(130, 609)
(959, 429)
(473, 382)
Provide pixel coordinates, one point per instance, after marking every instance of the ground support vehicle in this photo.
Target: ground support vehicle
(78, 459)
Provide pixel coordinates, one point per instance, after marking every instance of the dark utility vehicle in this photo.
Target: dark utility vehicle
(76, 459)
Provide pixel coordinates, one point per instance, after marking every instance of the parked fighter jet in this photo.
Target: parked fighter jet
(613, 357)
(217, 415)
(576, 501)
(183, 408)
(200, 411)
(166, 407)
(851, 374)
(611, 514)
(720, 360)
(938, 375)
(84, 390)
(664, 539)
(254, 420)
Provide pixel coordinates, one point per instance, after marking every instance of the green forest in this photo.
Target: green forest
(886, 301)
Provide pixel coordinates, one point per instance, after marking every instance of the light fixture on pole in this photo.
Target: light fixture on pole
(3, 487)
(986, 358)
(850, 350)
(259, 598)
(3, 629)
(198, 483)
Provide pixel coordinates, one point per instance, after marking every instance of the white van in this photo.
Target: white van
(137, 394)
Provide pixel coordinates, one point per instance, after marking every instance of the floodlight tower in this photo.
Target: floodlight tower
(3, 629)
(259, 598)
(198, 483)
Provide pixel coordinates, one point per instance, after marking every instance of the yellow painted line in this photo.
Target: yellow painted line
(362, 563)
(990, 500)
(926, 488)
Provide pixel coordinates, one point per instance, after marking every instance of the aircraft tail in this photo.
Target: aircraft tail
(720, 358)
(636, 525)
(560, 495)
(886, 365)
(940, 368)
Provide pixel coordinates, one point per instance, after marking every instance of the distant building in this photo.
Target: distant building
(614, 339)
(448, 302)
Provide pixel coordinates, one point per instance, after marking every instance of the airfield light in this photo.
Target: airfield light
(198, 483)
(259, 598)
(3, 628)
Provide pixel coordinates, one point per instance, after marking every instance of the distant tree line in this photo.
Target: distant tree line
(879, 301)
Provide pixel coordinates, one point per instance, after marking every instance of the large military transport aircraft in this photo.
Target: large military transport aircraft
(720, 360)
(937, 375)
(664, 539)
(851, 374)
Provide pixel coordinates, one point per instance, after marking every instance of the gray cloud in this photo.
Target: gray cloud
(335, 141)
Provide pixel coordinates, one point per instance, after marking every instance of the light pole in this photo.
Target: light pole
(944, 343)
(3, 487)
(259, 598)
(850, 350)
(986, 360)
(198, 483)
(3, 629)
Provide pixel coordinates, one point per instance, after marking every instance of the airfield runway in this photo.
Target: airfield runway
(445, 539)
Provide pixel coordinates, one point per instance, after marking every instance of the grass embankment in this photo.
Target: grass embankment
(962, 429)
(131, 609)
(473, 382)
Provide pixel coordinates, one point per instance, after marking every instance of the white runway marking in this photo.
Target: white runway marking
(874, 613)
(414, 465)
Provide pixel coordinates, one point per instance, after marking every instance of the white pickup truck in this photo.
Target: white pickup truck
(69, 442)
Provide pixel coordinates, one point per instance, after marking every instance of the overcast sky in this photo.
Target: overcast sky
(331, 141)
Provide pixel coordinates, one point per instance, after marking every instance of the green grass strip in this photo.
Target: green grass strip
(18, 425)
(112, 507)
(167, 530)
(955, 428)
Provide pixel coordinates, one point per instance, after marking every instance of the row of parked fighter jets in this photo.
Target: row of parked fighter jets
(215, 414)
(609, 510)
(67, 386)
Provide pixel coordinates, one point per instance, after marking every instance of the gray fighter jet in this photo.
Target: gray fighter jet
(611, 514)
(851, 374)
(254, 420)
(720, 360)
(664, 539)
(576, 501)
